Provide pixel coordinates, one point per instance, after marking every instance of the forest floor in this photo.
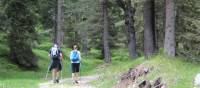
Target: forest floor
(67, 83)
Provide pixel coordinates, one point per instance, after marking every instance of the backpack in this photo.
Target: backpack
(54, 53)
(75, 56)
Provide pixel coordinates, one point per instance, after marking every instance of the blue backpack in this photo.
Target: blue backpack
(75, 56)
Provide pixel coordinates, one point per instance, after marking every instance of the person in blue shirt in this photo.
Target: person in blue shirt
(75, 58)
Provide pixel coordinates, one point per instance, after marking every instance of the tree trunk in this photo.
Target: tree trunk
(85, 42)
(129, 13)
(105, 17)
(149, 31)
(59, 24)
(169, 44)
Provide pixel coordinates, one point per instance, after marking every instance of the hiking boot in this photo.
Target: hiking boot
(76, 82)
(57, 80)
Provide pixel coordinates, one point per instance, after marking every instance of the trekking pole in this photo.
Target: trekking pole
(48, 70)
(61, 70)
(80, 71)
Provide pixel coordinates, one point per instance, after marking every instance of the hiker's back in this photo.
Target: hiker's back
(55, 53)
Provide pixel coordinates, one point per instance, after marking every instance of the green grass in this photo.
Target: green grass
(11, 76)
(109, 73)
(175, 72)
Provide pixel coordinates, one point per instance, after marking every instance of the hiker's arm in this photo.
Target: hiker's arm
(61, 56)
(79, 55)
(70, 55)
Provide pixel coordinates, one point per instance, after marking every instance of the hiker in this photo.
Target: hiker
(75, 57)
(56, 57)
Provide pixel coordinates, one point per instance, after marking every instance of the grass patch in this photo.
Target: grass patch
(13, 77)
(175, 72)
(109, 73)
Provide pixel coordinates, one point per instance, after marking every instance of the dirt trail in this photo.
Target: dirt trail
(67, 83)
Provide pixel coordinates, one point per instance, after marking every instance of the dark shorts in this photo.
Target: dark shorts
(75, 67)
(56, 64)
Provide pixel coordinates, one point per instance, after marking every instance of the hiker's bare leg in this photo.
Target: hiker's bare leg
(53, 74)
(73, 77)
(76, 75)
(57, 74)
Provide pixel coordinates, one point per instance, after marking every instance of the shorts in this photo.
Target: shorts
(56, 64)
(75, 67)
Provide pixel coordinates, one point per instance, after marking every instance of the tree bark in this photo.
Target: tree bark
(149, 28)
(85, 43)
(129, 13)
(58, 39)
(169, 44)
(105, 24)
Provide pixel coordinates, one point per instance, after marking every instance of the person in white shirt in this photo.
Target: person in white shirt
(56, 57)
(75, 57)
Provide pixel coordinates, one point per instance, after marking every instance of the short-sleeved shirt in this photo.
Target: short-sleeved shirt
(59, 52)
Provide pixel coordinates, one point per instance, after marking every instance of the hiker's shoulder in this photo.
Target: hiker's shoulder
(71, 51)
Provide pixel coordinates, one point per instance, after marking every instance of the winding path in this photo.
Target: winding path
(67, 83)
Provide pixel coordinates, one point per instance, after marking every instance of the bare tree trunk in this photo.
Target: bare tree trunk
(84, 40)
(169, 44)
(59, 24)
(149, 31)
(105, 22)
(129, 13)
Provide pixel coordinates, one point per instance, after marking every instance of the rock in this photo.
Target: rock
(197, 80)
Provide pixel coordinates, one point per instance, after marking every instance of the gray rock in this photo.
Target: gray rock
(197, 80)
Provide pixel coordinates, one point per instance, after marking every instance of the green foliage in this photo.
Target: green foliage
(4, 50)
(120, 55)
(47, 11)
(27, 24)
(22, 20)
(188, 28)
